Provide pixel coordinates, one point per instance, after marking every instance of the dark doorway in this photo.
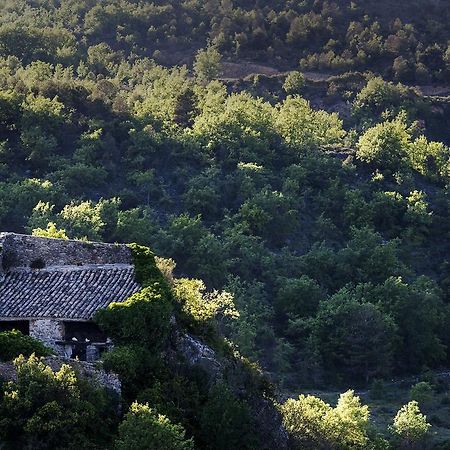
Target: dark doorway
(79, 351)
(83, 331)
(22, 325)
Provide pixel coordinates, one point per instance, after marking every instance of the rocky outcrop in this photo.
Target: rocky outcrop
(196, 353)
(270, 424)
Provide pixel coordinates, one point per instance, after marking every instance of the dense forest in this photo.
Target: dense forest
(406, 39)
(315, 213)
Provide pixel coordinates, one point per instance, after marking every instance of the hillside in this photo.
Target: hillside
(317, 201)
(407, 40)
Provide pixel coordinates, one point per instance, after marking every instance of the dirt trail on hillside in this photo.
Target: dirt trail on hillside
(239, 70)
(434, 91)
(234, 71)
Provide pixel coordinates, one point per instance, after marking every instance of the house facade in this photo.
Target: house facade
(50, 289)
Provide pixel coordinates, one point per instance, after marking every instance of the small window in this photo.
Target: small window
(37, 263)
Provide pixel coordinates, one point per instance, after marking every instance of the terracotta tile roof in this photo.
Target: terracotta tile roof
(69, 292)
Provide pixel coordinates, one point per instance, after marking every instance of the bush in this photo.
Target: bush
(207, 65)
(145, 429)
(135, 365)
(145, 266)
(294, 83)
(422, 393)
(410, 425)
(143, 319)
(225, 421)
(13, 343)
(380, 97)
(314, 424)
(46, 409)
(299, 297)
(385, 145)
(201, 311)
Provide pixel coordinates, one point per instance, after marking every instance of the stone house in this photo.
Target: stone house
(50, 289)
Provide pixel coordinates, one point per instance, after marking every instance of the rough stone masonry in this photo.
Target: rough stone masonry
(51, 289)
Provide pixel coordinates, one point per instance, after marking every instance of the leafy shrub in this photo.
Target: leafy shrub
(142, 319)
(145, 266)
(136, 366)
(225, 421)
(143, 428)
(50, 232)
(315, 424)
(207, 65)
(380, 97)
(299, 297)
(353, 337)
(202, 311)
(294, 83)
(410, 425)
(303, 128)
(422, 393)
(385, 145)
(13, 343)
(54, 409)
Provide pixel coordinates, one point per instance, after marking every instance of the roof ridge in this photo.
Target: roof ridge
(73, 268)
(5, 234)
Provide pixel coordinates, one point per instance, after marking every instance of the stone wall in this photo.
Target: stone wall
(19, 250)
(2, 272)
(93, 373)
(48, 331)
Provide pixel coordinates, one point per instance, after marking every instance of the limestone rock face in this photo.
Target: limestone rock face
(198, 354)
(201, 355)
(270, 424)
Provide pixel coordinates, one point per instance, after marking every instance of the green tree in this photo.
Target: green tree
(410, 426)
(207, 64)
(417, 310)
(386, 145)
(225, 421)
(143, 428)
(299, 297)
(367, 257)
(316, 425)
(240, 129)
(423, 394)
(294, 83)
(82, 220)
(50, 232)
(47, 409)
(202, 311)
(353, 337)
(430, 158)
(380, 97)
(303, 128)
